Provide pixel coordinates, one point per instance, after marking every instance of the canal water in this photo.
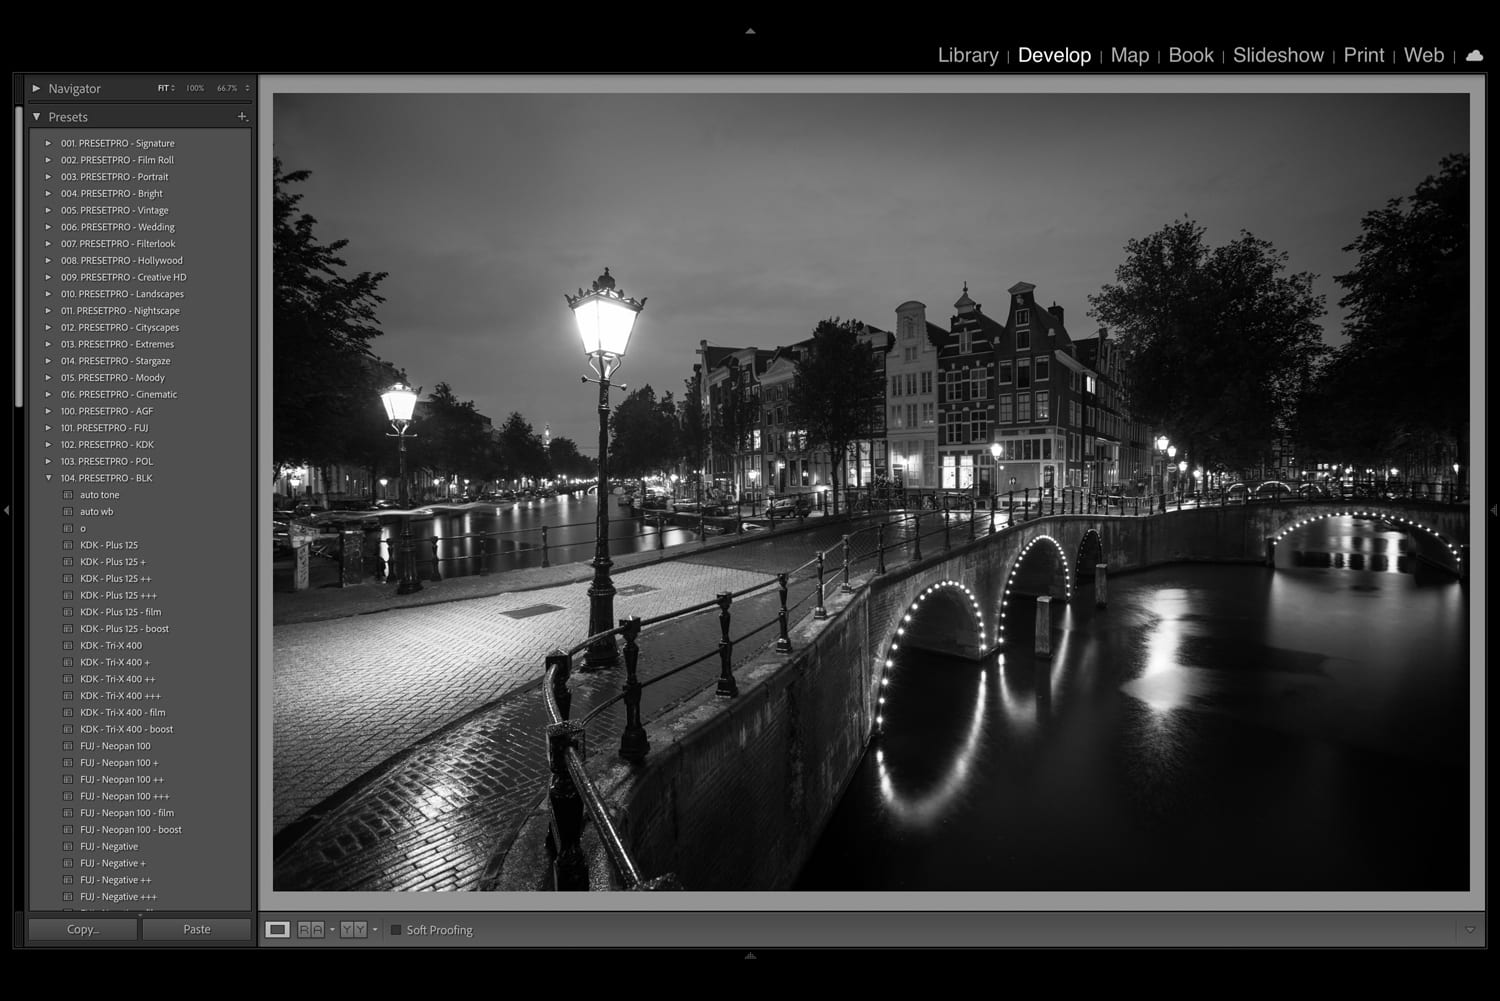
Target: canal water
(513, 538)
(1215, 728)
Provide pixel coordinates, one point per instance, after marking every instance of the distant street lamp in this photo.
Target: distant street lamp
(400, 401)
(383, 482)
(995, 463)
(605, 319)
(1164, 447)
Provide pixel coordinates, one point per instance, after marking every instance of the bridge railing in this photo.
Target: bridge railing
(903, 536)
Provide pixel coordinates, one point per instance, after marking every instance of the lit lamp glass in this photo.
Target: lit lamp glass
(400, 402)
(605, 317)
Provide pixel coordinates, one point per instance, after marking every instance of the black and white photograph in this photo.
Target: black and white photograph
(967, 492)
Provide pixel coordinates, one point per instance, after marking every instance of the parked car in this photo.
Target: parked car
(789, 506)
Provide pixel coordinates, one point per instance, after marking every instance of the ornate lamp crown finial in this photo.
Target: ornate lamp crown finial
(604, 281)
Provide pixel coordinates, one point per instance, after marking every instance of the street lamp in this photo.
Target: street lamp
(400, 401)
(383, 482)
(1162, 444)
(605, 319)
(995, 463)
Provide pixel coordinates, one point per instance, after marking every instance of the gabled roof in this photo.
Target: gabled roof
(713, 356)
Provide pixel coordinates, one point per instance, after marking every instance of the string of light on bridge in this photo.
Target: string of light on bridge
(1383, 515)
(1005, 597)
(890, 662)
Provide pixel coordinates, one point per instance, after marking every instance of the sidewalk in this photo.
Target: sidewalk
(407, 745)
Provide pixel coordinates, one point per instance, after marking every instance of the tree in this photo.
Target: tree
(838, 393)
(1408, 324)
(1217, 341)
(692, 433)
(453, 437)
(521, 449)
(322, 325)
(566, 460)
(644, 434)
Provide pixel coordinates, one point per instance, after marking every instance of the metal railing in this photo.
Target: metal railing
(900, 534)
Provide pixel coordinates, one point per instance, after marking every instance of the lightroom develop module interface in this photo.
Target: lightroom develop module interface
(756, 497)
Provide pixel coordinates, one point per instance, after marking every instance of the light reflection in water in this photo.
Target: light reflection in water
(926, 809)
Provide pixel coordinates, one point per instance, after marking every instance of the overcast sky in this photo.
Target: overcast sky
(747, 218)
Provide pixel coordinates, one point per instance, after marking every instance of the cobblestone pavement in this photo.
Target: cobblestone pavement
(414, 737)
(351, 692)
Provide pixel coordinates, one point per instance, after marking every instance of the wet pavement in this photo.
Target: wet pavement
(408, 744)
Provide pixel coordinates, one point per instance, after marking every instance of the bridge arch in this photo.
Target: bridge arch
(934, 611)
(1041, 568)
(1419, 529)
(1090, 555)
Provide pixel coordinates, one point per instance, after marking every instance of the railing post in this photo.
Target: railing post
(546, 561)
(947, 525)
(820, 612)
(702, 527)
(633, 743)
(916, 536)
(972, 506)
(437, 566)
(727, 688)
(561, 666)
(739, 520)
(661, 537)
(783, 642)
(771, 514)
(880, 548)
(993, 497)
(846, 588)
(569, 871)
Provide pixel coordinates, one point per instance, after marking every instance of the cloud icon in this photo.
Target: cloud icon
(1475, 56)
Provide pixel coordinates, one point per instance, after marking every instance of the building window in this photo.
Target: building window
(978, 384)
(978, 432)
(1023, 317)
(953, 427)
(1046, 448)
(1023, 373)
(1005, 373)
(963, 342)
(926, 382)
(1072, 380)
(1088, 384)
(911, 384)
(1023, 408)
(1007, 408)
(1042, 405)
(929, 414)
(895, 385)
(911, 415)
(1043, 368)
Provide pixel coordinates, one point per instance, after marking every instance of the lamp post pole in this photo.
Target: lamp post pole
(411, 581)
(400, 403)
(601, 653)
(1162, 444)
(605, 318)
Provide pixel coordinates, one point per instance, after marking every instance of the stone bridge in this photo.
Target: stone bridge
(736, 791)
